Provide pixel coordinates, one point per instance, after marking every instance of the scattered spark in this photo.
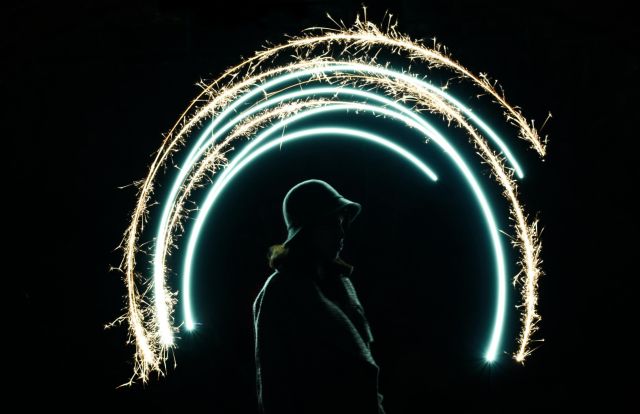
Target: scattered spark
(264, 92)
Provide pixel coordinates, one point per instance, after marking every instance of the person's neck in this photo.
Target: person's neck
(323, 268)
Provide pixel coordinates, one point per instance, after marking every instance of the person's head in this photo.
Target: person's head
(321, 241)
(316, 216)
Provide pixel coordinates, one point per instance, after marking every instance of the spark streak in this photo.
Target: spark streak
(264, 92)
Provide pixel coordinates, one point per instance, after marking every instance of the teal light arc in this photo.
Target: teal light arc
(166, 335)
(413, 121)
(238, 164)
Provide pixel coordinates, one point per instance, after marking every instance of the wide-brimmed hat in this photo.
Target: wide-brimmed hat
(312, 200)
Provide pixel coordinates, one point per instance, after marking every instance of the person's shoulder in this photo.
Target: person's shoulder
(283, 281)
(269, 289)
(278, 284)
(281, 291)
(290, 285)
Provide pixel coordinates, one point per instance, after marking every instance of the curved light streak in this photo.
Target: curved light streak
(202, 142)
(241, 162)
(151, 327)
(412, 120)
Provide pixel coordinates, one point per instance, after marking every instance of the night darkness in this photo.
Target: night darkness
(89, 90)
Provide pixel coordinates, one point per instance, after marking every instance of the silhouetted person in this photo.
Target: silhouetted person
(312, 340)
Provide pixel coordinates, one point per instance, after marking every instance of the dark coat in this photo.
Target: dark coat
(312, 345)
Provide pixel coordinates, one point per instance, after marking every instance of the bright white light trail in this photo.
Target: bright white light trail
(262, 94)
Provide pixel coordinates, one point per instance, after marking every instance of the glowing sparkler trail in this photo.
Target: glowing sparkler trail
(253, 95)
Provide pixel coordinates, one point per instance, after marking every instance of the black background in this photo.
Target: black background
(89, 89)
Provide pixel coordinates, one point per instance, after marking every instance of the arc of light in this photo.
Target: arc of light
(418, 123)
(151, 348)
(359, 67)
(166, 335)
(237, 166)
